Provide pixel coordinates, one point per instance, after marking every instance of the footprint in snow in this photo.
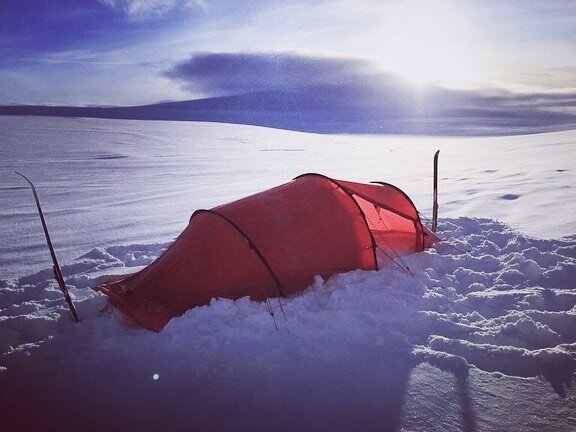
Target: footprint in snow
(510, 197)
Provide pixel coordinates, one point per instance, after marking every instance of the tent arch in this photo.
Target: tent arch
(386, 207)
(404, 194)
(251, 244)
(347, 192)
(418, 221)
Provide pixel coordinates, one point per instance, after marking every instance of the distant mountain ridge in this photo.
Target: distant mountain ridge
(332, 110)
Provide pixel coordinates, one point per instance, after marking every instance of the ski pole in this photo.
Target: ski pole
(56, 267)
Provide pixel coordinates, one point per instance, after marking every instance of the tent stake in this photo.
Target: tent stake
(56, 267)
(435, 204)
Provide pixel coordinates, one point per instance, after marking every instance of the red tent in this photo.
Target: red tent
(272, 244)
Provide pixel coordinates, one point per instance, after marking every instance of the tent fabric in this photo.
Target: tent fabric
(272, 244)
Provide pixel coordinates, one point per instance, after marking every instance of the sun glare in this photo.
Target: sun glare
(431, 41)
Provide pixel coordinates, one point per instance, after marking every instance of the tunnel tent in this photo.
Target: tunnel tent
(272, 244)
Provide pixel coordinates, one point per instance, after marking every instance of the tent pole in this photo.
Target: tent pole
(435, 203)
(56, 267)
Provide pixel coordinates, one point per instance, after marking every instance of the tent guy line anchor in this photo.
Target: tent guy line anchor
(56, 267)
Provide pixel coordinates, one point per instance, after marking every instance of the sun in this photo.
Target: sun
(431, 41)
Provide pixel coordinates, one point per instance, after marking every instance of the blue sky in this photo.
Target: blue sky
(129, 52)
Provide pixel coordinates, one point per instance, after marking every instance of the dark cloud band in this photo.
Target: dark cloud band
(233, 73)
(333, 95)
(357, 89)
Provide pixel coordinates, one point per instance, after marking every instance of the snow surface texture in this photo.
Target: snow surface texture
(480, 337)
(122, 182)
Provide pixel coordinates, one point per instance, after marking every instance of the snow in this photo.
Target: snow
(479, 337)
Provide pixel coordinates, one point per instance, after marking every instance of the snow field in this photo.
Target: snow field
(463, 309)
(480, 337)
(112, 182)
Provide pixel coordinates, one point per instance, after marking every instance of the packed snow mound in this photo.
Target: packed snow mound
(487, 297)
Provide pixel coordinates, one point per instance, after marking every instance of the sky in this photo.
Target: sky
(132, 52)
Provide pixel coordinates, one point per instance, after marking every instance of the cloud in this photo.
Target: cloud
(336, 90)
(218, 74)
(234, 73)
(141, 10)
(331, 95)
